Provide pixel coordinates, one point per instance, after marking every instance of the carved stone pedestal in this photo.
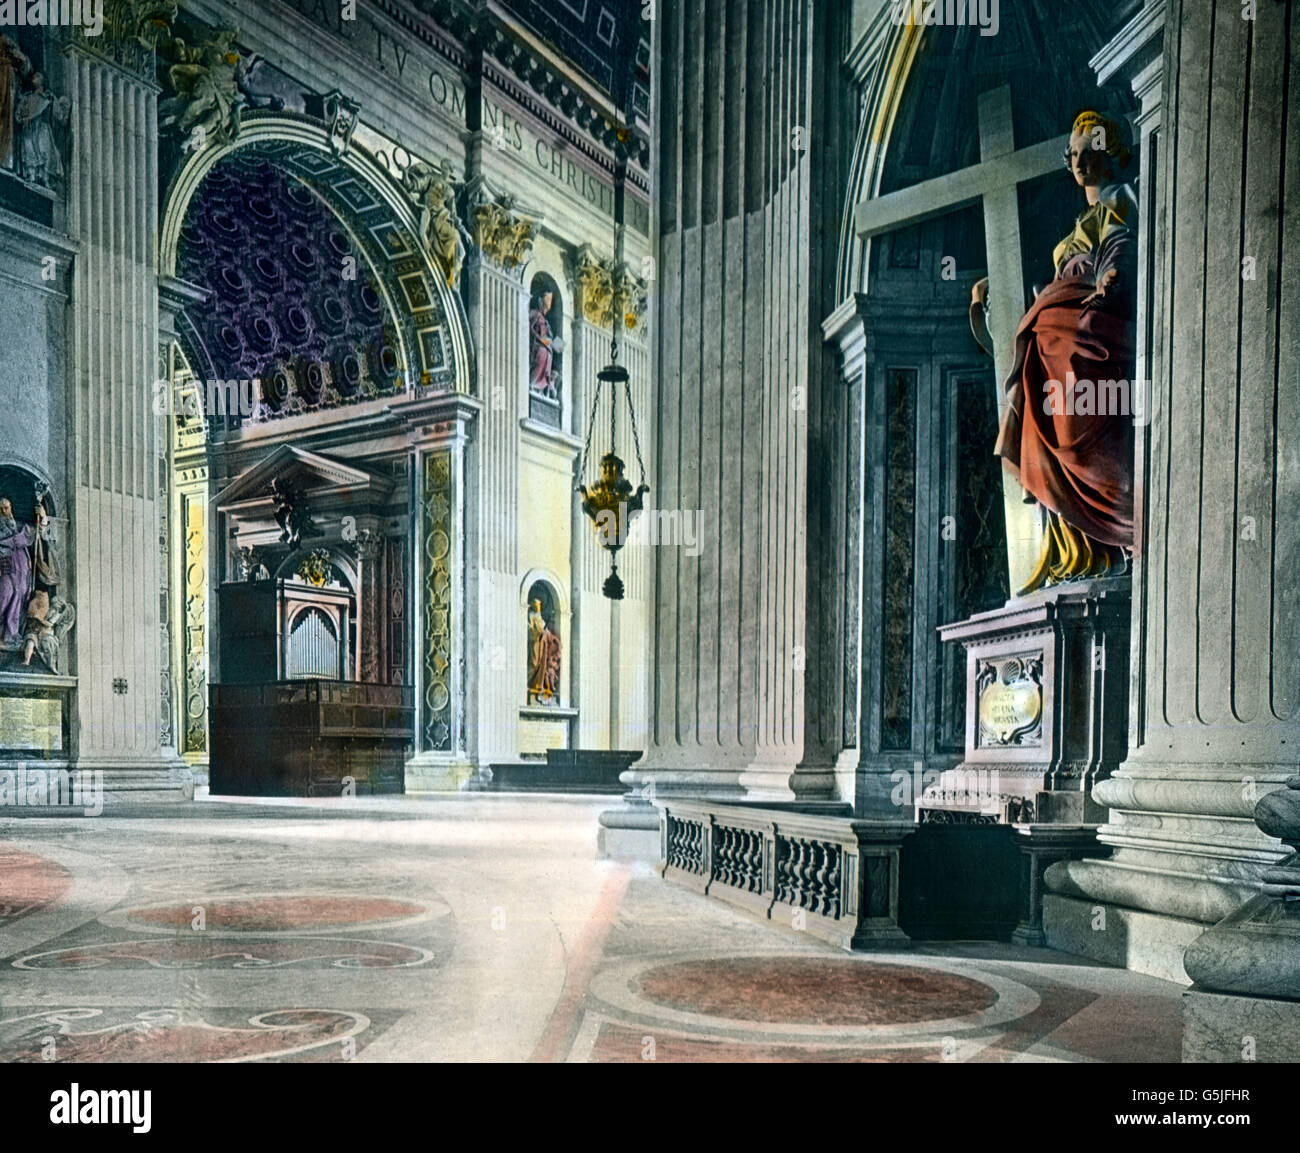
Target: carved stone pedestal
(1046, 707)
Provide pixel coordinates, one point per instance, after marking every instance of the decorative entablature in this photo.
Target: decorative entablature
(522, 58)
(607, 290)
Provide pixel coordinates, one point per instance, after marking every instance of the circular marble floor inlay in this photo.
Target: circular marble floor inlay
(272, 914)
(814, 991)
(28, 882)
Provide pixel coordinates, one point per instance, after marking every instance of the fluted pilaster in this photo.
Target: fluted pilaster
(117, 439)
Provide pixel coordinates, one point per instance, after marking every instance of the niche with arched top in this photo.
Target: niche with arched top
(545, 351)
(543, 645)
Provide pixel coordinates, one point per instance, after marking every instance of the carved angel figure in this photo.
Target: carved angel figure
(433, 191)
(211, 83)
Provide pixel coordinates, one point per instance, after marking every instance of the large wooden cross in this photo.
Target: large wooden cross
(993, 180)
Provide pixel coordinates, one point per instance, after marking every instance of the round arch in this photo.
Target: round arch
(372, 208)
(532, 576)
(875, 128)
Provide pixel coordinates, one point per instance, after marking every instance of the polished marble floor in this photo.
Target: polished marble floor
(480, 927)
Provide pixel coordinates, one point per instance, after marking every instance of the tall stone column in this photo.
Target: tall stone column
(116, 445)
(734, 162)
(1216, 631)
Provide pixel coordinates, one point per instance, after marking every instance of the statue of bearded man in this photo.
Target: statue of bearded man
(15, 568)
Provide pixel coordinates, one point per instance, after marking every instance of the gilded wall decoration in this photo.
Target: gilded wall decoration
(196, 623)
(1009, 692)
(438, 602)
(132, 33)
(501, 235)
(608, 290)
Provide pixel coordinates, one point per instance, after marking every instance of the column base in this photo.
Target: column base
(438, 773)
(630, 833)
(1149, 943)
(1224, 1028)
(91, 786)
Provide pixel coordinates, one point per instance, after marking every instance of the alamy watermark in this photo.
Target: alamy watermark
(33, 788)
(653, 527)
(1083, 397)
(215, 397)
(981, 14)
(88, 15)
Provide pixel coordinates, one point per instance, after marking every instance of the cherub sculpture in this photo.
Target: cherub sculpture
(291, 514)
(49, 620)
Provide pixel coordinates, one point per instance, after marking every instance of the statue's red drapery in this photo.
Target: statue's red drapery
(1067, 430)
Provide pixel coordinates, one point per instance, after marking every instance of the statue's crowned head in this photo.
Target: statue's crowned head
(1092, 131)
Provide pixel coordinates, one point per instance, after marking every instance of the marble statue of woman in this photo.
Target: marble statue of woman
(1075, 459)
(39, 154)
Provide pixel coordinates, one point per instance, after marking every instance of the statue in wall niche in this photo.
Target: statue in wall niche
(1067, 429)
(14, 65)
(39, 159)
(212, 86)
(49, 620)
(24, 555)
(542, 345)
(433, 190)
(543, 659)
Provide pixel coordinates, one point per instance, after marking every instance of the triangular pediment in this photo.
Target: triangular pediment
(308, 473)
